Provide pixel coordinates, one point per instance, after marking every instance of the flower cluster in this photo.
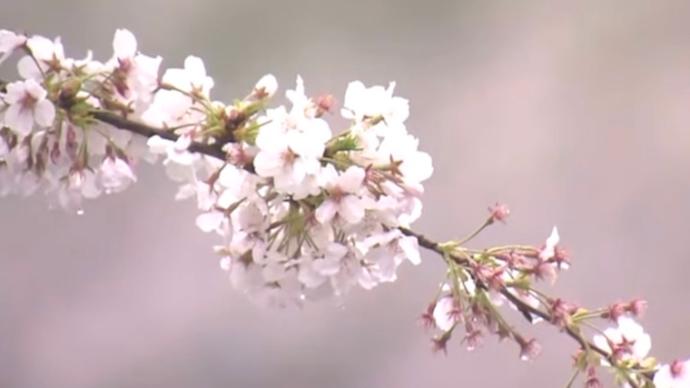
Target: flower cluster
(303, 210)
(48, 141)
(477, 282)
(306, 213)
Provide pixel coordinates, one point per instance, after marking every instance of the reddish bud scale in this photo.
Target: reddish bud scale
(473, 338)
(561, 258)
(561, 312)
(455, 314)
(426, 320)
(593, 382)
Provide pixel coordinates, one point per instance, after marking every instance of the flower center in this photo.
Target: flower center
(28, 102)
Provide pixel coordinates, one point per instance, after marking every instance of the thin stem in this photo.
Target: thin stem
(474, 234)
(571, 381)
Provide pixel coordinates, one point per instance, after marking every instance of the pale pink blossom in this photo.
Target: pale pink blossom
(138, 73)
(116, 174)
(27, 105)
(47, 53)
(9, 42)
(343, 195)
(374, 102)
(191, 79)
(290, 146)
(446, 313)
(627, 341)
(549, 249)
(210, 221)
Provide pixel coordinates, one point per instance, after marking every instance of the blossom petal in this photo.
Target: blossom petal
(326, 211)
(44, 113)
(124, 44)
(208, 222)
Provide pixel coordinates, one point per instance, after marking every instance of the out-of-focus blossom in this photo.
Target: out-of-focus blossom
(627, 341)
(116, 174)
(9, 41)
(446, 313)
(549, 249)
(191, 79)
(266, 86)
(673, 375)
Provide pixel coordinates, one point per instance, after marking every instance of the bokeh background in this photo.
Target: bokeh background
(574, 113)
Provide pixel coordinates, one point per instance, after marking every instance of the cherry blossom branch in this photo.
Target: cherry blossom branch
(215, 150)
(302, 211)
(527, 310)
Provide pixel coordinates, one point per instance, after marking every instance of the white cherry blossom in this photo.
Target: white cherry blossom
(115, 174)
(374, 102)
(9, 42)
(290, 146)
(343, 195)
(46, 53)
(628, 334)
(445, 313)
(549, 250)
(27, 105)
(192, 78)
(137, 74)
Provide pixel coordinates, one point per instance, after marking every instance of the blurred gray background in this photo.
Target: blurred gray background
(574, 113)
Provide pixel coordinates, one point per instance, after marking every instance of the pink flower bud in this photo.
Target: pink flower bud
(499, 212)
(266, 87)
(677, 368)
(637, 307)
(615, 311)
(324, 103)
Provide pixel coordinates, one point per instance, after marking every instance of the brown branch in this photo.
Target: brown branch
(214, 150)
